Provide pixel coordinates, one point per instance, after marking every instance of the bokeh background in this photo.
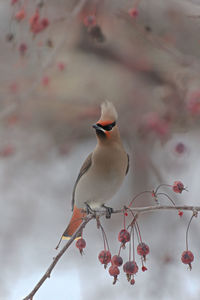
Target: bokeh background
(53, 79)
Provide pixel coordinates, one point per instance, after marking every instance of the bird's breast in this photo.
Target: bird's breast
(102, 180)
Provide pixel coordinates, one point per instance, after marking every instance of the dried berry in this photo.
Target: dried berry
(143, 249)
(104, 257)
(114, 271)
(187, 257)
(130, 267)
(124, 237)
(178, 187)
(132, 282)
(117, 260)
(81, 244)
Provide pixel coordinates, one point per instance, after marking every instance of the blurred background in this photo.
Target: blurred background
(59, 61)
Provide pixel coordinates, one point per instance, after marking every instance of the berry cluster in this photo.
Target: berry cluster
(126, 236)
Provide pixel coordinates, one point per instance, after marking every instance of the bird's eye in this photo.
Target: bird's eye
(107, 127)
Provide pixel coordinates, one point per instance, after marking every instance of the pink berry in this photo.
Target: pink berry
(104, 257)
(20, 15)
(22, 48)
(178, 187)
(143, 249)
(180, 148)
(117, 260)
(81, 244)
(124, 237)
(130, 267)
(44, 22)
(114, 271)
(61, 66)
(133, 12)
(132, 282)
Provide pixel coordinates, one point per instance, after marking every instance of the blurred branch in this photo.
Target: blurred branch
(139, 210)
(23, 97)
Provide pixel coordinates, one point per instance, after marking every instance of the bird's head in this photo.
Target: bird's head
(106, 127)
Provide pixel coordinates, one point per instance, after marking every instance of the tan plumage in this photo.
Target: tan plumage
(103, 171)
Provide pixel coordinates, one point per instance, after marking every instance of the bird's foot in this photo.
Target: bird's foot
(89, 210)
(109, 211)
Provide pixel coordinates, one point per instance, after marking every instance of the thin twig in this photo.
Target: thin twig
(57, 258)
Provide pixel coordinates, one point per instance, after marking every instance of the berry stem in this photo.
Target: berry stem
(124, 220)
(160, 185)
(138, 231)
(105, 240)
(133, 244)
(170, 199)
(187, 231)
(138, 196)
(130, 244)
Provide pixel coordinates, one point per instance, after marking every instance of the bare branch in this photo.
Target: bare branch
(57, 258)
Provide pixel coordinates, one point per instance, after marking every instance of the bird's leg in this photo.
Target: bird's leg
(89, 210)
(109, 211)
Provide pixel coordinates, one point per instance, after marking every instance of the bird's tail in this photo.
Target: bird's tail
(74, 223)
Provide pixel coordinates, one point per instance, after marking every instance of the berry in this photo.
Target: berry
(193, 104)
(45, 81)
(132, 282)
(180, 213)
(124, 237)
(143, 249)
(133, 12)
(81, 244)
(114, 271)
(20, 15)
(7, 151)
(178, 187)
(117, 260)
(61, 66)
(104, 257)
(89, 20)
(22, 48)
(187, 257)
(44, 23)
(144, 269)
(180, 148)
(130, 267)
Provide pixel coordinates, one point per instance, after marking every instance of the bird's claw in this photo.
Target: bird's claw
(109, 211)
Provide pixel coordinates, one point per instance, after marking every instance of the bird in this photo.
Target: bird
(102, 173)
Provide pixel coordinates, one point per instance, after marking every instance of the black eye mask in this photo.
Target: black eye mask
(107, 127)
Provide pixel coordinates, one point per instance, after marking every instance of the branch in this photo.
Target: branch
(57, 258)
(138, 210)
(145, 209)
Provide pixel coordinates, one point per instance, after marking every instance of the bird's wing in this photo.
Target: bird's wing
(127, 164)
(86, 165)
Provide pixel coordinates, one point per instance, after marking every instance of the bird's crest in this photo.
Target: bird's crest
(108, 112)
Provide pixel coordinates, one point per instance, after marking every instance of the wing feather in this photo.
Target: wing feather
(85, 167)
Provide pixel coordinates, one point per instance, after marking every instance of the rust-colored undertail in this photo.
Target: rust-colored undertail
(74, 223)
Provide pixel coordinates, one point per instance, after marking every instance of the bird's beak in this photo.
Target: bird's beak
(96, 127)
